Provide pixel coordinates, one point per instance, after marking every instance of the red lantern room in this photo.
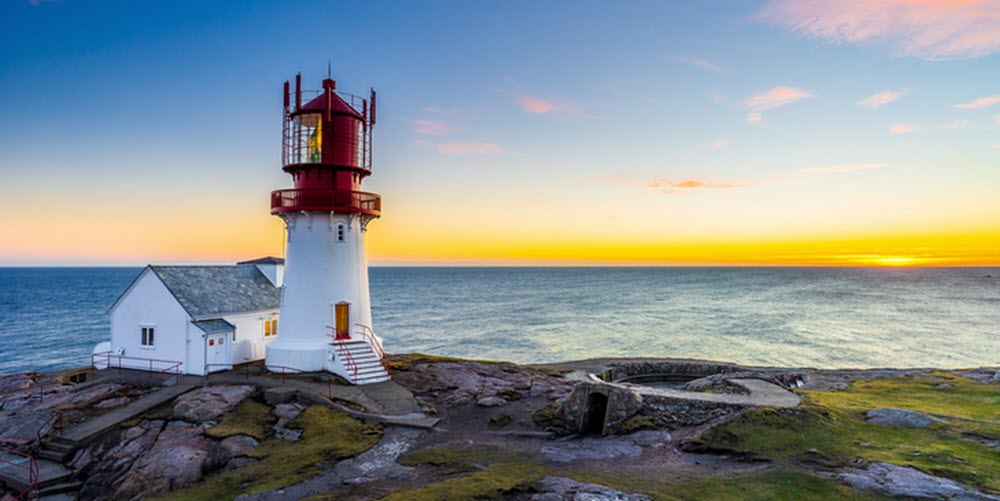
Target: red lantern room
(327, 149)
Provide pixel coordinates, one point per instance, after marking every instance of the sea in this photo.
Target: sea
(51, 318)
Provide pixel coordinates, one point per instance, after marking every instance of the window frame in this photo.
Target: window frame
(147, 336)
(270, 325)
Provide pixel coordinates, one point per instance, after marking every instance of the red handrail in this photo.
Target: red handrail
(369, 336)
(174, 367)
(348, 359)
(31, 491)
(293, 370)
(55, 422)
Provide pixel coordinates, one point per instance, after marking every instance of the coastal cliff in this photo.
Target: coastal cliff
(461, 429)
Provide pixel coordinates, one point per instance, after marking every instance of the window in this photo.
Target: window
(340, 232)
(271, 327)
(147, 336)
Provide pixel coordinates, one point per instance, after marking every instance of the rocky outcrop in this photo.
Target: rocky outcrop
(103, 462)
(179, 457)
(210, 402)
(903, 418)
(561, 488)
(900, 481)
(239, 445)
(463, 383)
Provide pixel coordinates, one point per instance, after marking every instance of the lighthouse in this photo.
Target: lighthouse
(325, 320)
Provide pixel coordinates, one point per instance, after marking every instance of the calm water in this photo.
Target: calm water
(822, 317)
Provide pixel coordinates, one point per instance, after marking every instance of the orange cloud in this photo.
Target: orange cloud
(837, 169)
(470, 148)
(928, 29)
(880, 99)
(900, 129)
(979, 103)
(535, 105)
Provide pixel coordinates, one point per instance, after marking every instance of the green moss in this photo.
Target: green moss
(830, 429)
(326, 435)
(637, 423)
(500, 420)
(489, 474)
(405, 362)
(248, 418)
(546, 418)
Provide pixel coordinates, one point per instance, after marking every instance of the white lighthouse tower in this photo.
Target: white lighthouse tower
(325, 321)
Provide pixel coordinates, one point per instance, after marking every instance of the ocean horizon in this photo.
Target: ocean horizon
(795, 316)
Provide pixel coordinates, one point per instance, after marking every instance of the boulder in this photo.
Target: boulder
(104, 461)
(239, 445)
(210, 402)
(287, 411)
(178, 458)
(491, 402)
(900, 481)
(903, 418)
(280, 395)
(560, 488)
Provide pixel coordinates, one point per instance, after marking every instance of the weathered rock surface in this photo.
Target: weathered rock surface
(103, 462)
(9, 383)
(560, 489)
(210, 402)
(288, 411)
(178, 458)
(239, 445)
(491, 402)
(592, 448)
(462, 383)
(901, 481)
(903, 418)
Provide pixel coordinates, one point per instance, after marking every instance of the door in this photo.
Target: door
(343, 321)
(217, 356)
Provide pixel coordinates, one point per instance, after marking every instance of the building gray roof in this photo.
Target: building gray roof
(213, 291)
(214, 326)
(264, 260)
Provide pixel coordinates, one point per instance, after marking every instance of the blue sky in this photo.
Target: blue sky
(538, 122)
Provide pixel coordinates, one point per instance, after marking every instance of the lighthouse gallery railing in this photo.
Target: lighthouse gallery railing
(326, 200)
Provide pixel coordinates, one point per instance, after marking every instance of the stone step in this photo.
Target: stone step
(57, 456)
(58, 444)
(17, 478)
(60, 488)
(371, 380)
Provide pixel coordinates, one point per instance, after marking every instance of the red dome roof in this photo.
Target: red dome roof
(337, 104)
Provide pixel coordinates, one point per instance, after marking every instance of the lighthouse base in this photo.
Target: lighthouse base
(296, 357)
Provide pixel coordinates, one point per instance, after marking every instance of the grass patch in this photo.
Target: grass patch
(488, 474)
(547, 418)
(248, 418)
(830, 429)
(326, 436)
(405, 362)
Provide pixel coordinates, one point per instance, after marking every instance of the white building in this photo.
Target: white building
(199, 319)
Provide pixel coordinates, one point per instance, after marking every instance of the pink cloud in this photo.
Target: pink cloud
(837, 169)
(719, 143)
(676, 187)
(754, 117)
(928, 29)
(535, 105)
(698, 63)
(428, 127)
(900, 129)
(778, 96)
(979, 103)
(470, 148)
(880, 99)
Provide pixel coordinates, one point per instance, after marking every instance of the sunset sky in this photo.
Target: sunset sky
(824, 132)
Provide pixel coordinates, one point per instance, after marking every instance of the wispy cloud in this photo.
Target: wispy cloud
(697, 63)
(979, 103)
(928, 29)
(719, 143)
(429, 127)
(538, 104)
(880, 99)
(839, 169)
(770, 99)
(470, 148)
(677, 187)
(957, 124)
(901, 129)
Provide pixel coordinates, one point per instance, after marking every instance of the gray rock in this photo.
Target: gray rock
(901, 481)
(177, 459)
(111, 402)
(903, 418)
(591, 448)
(281, 432)
(210, 402)
(650, 438)
(239, 462)
(280, 395)
(104, 461)
(239, 445)
(560, 488)
(491, 402)
(287, 411)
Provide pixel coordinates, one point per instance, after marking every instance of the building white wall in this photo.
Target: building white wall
(274, 272)
(249, 343)
(149, 303)
(320, 271)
